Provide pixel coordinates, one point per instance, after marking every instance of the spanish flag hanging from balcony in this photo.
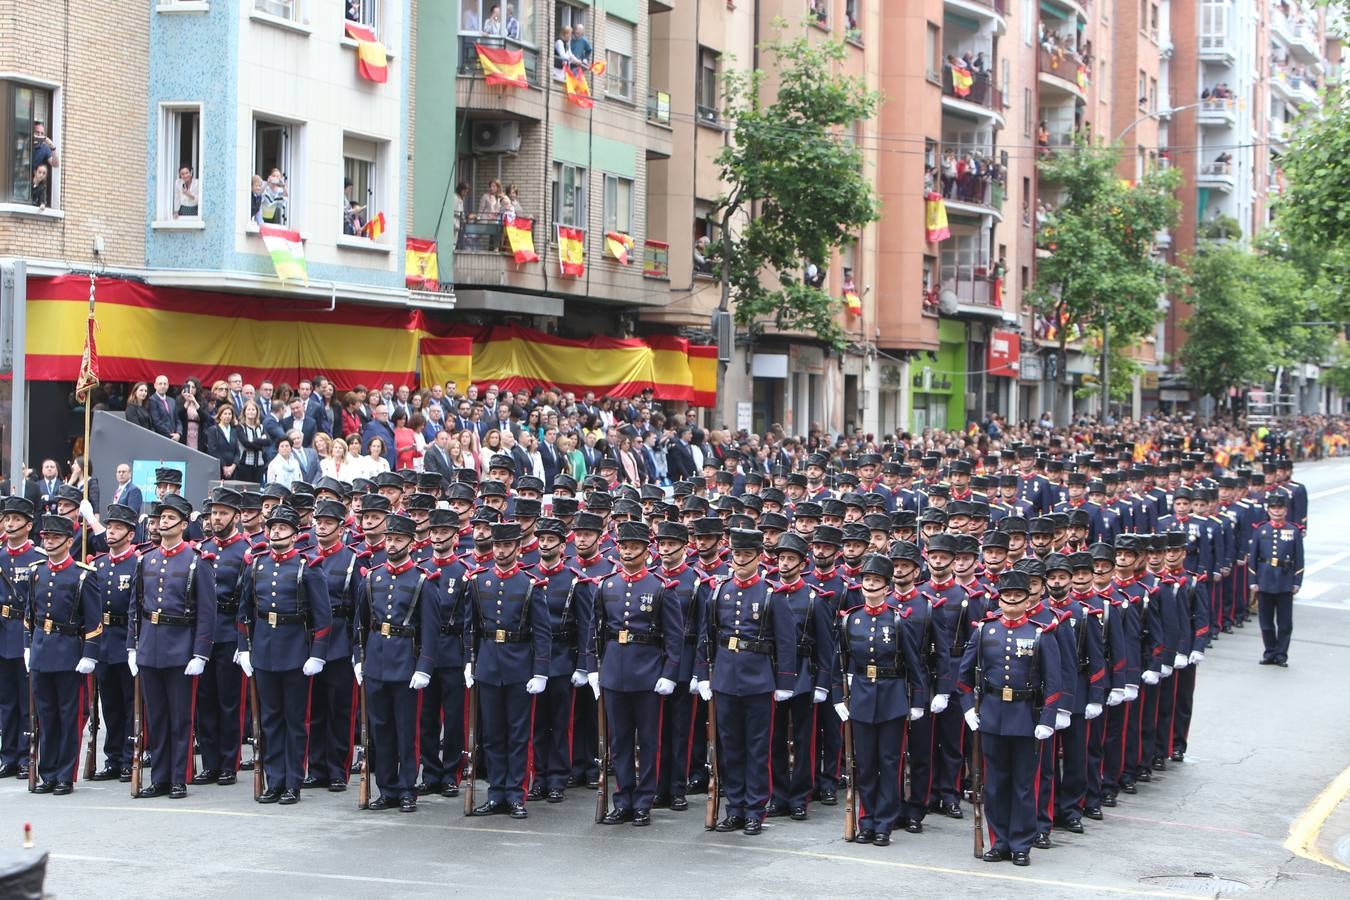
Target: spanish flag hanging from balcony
(288, 253)
(617, 245)
(578, 91)
(961, 81)
(371, 62)
(572, 251)
(421, 271)
(502, 66)
(446, 359)
(1082, 77)
(852, 302)
(520, 237)
(935, 218)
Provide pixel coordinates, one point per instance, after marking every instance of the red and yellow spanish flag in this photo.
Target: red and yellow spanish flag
(371, 62)
(88, 378)
(852, 302)
(520, 237)
(578, 91)
(420, 269)
(502, 66)
(599, 67)
(447, 359)
(617, 245)
(961, 81)
(375, 227)
(572, 251)
(935, 218)
(1082, 78)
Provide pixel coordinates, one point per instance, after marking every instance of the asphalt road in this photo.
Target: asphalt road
(1265, 743)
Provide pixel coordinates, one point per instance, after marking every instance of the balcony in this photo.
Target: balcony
(1280, 83)
(983, 10)
(1217, 48)
(976, 197)
(471, 93)
(1077, 9)
(1305, 44)
(1062, 73)
(983, 102)
(1303, 91)
(1217, 175)
(1217, 112)
(1278, 131)
(974, 291)
(656, 260)
(1281, 29)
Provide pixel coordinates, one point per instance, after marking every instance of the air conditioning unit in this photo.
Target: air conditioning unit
(496, 136)
(1166, 50)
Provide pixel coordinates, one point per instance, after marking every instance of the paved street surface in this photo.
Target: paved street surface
(1265, 744)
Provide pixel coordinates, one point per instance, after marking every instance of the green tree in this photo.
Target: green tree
(796, 187)
(1227, 343)
(1102, 272)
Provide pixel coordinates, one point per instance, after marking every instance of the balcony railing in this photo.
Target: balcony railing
(972, 285)
(468, 55)
(1217, 170)
(982, 92)
(999, 6)
(656, 260)
(658, 108)
(1063, 64)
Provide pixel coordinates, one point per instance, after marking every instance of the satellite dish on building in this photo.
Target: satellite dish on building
(947, 302)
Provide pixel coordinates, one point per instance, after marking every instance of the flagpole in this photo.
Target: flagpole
(88, 412)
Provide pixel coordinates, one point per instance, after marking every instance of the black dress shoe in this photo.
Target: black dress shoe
(828, 796)
(491, 808)
(865, 836)
(227, 778)
(914, 826)
(992, 855)
(1228, 629)
(380, 803)
(537, 793)
(1266, 662)
(642, 817)
(1178, 756)
(313, 781)
(518, 811)
(730, 823)
(1021, 858)
(205, 776)
(774, 811)
(272, 795)
(697, 786)
(1074, 826)
(62, 788)
(450, 790)
(1041, 841)
(593, 782)
(107, 773)
(883, 839)
(178, 792)
(44, 787)
(1145, 776)
(1093, 812)
(1282, 663)
(1109, 800)
(154, 790)
(1129, 788)
(661, 801)
(953, 810)
(754, 826)
(617, 817)
(555, 796)
(246, 765)
(407, 804)
(8, 770)
(679, 804)
(124, 776)
(289, 797)
(798, 814)
(22, 774)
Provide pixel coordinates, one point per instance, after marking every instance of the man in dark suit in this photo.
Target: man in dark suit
(379, 427)
(272, 426)
(163, 417)
(553, 461)
(305, 456)
(437, 457)
(30, 488)
(125, 492)
(48, 481)
(299, 421)
(680, 456)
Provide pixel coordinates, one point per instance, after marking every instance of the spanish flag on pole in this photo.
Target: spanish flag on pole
(502, 66)
(578, 91)
(961, 81)
(617, 244)
(371, 62)
(935, 218)
(572, 251)
(375, 227)
(852, 302)
(288, 252)
(520, 237)
(420, 268)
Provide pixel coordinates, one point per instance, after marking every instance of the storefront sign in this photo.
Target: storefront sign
(1004, 353)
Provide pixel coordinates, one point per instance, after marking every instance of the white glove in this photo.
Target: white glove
(705, 690)
(1167, 671)
(1197, 656)
(468, 675)
(1181, 661)
(972, 720)
(939, 703)
(235, 659)
(780, 696)
(1062, 720)
(245, 660)
(85, 666)
(915, 713)
(195, 667)
(578, 678)
(87, 511)
(27, 653)
(841, 710)
(1043, 731)
(593, 679)
(313, 666)
(665, 687)
(131, 661)
(1150, 677)
(1092, 711)
(419, 681)
(536, 684)
(693, 685)
(820, 695)
(1131, 693)
(356, 670)
(849, 678)
(1116, 697)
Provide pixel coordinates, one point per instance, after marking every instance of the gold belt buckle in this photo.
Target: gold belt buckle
(4, 610)
(734, 644)
(107, 618)
(46, 626)
(1007, 695)
(871, 673)
(384, 629)
(623, 635)
(154, 617)
(1275, 563)
(501, 636)
(272, 619)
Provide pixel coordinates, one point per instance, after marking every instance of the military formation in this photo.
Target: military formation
(903, 634)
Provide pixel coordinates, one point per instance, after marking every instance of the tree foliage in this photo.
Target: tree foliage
(796, 186)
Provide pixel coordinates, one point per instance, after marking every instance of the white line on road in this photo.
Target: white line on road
(1326, 563)
(1329, 492)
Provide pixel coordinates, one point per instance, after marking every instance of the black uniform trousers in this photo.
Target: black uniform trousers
(1150, 697)
(794, 720)
(878, 750)
(1276, 612)
(585, 737)
(58, 696)
(1010, 790)
(1047, 751)
(678, 739)
(1071, 778)
(168, 697)
(13, 711)
(1184, 705)
(634, 726)
(744, 733)
(283, 698)
(1162, 731)
(115, 695)
(698, 749)
(332, 707)
(830, 751)
(949, 755)
(919, 752)
(1096, 747)
(220, 702)
(391, 707)
(506, 711)
(1114, 771)
(553, 732)
(442, 726)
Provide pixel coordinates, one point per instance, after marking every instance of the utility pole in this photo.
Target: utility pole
(14, 359)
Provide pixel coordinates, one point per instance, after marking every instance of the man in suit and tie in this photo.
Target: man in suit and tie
(552, 459)
(437, 456)
(162, 416)
(50, 481)
(235, 382)
(126, 493)
(298, 421)
(503, 421)
(435, 417)
(305, 456)
(680, 456)
(401, 402)
(319, 405)
(464, 415)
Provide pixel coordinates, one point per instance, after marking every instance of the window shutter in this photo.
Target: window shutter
(618, 36)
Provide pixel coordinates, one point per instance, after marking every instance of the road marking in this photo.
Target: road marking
(1190, 825)
(1326, 563)
(1307, 828)
(254, 870)
(1330, 492)
(1312, 590)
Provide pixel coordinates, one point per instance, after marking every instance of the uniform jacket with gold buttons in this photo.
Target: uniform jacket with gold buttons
(63, 616)
(280, 588)
(179, 585)
(879, 662)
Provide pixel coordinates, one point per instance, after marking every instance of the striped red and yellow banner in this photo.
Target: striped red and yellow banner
(447, 359)
(502, 66)
(372, 61)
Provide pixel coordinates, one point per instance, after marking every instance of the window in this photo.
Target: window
(1143, 15)
(934, 53)
(819, 11)
(619, 39)
(1153, 21)
(618, 204)
(853, 19)
(282, 9)
(1005, 81)
(276, 157)
(360, 166)
(364, 12)
(1153, 95)
(1029, 20)
(706, 91)
(1143, 89)
(26, 110)
(569, 195)
(1028, 111)
(568, 16)
(180, 135)
(513, 19)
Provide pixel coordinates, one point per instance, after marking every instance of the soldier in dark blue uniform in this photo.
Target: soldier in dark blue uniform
(586, 556)
(1010, 691)
(64, 622)
(172, 619)
(639, 637)
(394, 621)
(442, 737)
(679, 737)
(15, 566)
(116, 571)
(839, 594)
(1194, 630)
(747, 653)
(509, 648)
(879, 670)
(220, 690)
(284, 619)
(1275, 578)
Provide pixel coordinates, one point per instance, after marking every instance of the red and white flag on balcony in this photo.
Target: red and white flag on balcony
(578, 91)
(961, 81)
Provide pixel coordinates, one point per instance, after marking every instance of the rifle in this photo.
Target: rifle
(977, 756)
(851, 792)
(467, 776)
(32, 738)
(137, 735)
(91, 753)
(363, 786)
(714, 787)
(602, 789)
(257, 740)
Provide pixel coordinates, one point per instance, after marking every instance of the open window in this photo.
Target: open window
(180, 174)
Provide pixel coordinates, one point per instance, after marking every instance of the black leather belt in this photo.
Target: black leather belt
(1007, 694)
(566, 634)
(10, 612)
(158, 618)
(344, 611)
(227, 607)
(114, 618)
(740, 645)
(51, 626)
(385, 629)
(881, 673)
(502, 636)
(451, 628)
(276, 619)
(627, 636)
(691, 640)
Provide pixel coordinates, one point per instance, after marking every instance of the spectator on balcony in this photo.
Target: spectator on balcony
(978, 65)
(1043, 137)
(185, 194)
(702, 265)
(469, 20)
(461, 193)
(948, 172)
(40, 194)
(510, 205)
(138, 409)
(273, 209)
(352, 219)
(490, 204)
(512, 24)
(494, 25)
(1223, 161)
(562, 53)
(581, 46)
(256, 199)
